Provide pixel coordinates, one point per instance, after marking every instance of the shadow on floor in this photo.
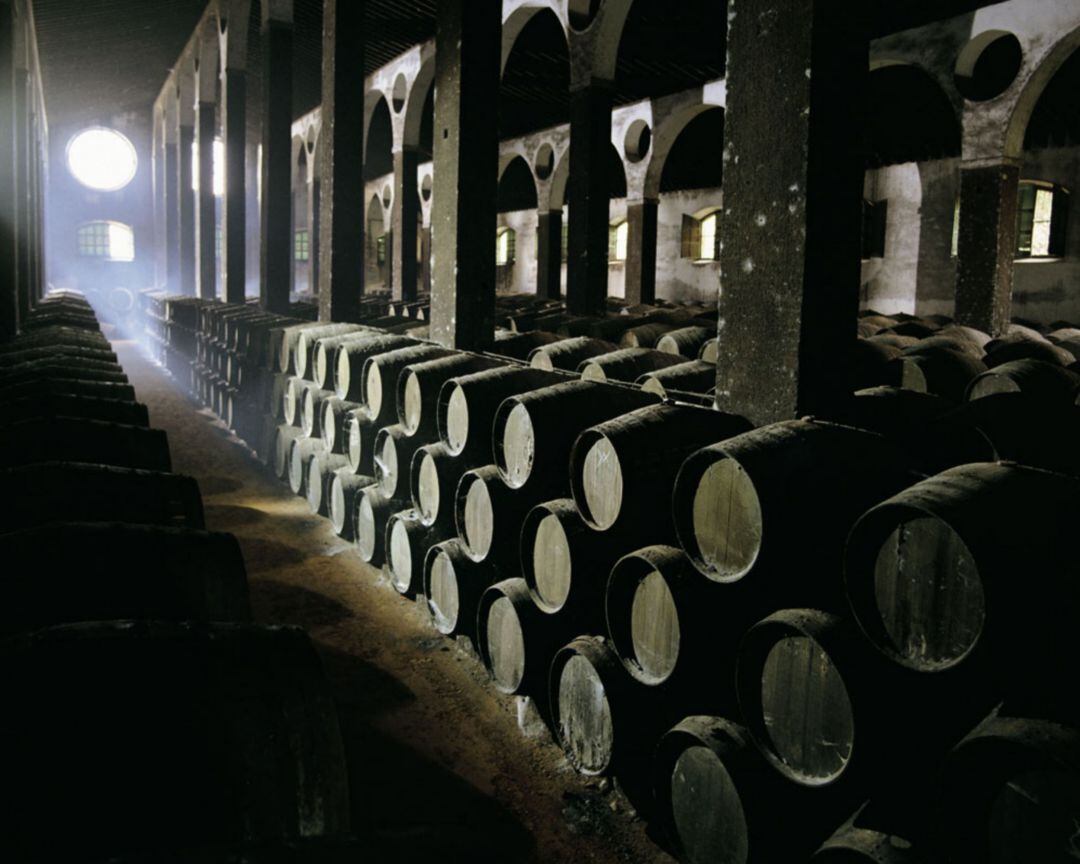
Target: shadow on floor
(281, 603)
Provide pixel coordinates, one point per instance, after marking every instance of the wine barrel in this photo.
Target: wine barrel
(394, 452)
(467, 406)
(453, 584)
(620, 467)
(1010, 791)
(75, 492)
(892, 411)
(931, 572)
(662, 617)
(311, 411)
(335, 415)
(565, 563)
(918, 327)
(321, 471)
(1045, 352)
(971, 334)
(718, 800)
(488, 515)
(625, 364)
(304, 351)
(433, 478)
(293, 400)
(694, 376)
(519, 346)
(284, 436)
(344, 492)
(419, 385)
(534, 432)
(710, 351)
(210, 733)
(1043, 381)
(59, 336)
(44, 405)
(351, 357)
(943, 372)
(568, 354)
(69, 439)
(516, 641)
(67, 572)
(325, 353)
(63, 367)
(946, 342)
(13, 355)
(645, 335)
(301, 452)
(68, 387)
(867, 364)
(891, 339)
(381, 376)
(360, 442)
(763, 503)
(407, 543)
(868, 838)
(373, 511)
(686, 341)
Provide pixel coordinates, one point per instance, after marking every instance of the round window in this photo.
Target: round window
(102, 159)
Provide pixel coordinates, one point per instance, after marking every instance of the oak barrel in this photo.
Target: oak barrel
(453, 584)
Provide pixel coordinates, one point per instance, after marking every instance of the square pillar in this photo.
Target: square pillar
(589, 196)
(467, 62)
(23, 157)
(9, 307)
(793, 177)
(403, 218)
(425, 258)
(987, 247)
(641, 220)
(170, 188)
(276, 208)
(549, 254)
(205, 205)
(185, 209)
(341, 170)
(234, 205)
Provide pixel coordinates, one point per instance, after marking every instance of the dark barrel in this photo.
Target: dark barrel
(76, 492)
(694, 376)
(622, 471)
(69, 439)
(944, 372)
(488, 515)
(519, 346)
(533, 433)
(349, 374)
(284, 436)
(419, 384)
(44, 405)
(565, 563)
(709, 351)
(433, 478)
(467, 406)
(685, 341)
(68, 387)
(198, 733)
(645, 335)
(335, 414)
(301, 452)
(359, 445)
(407, 543)
(344, 491)
(304, 352)
(870, 837)
(11, 355)
(321, 470)
(288, 337)
(381, 373)
(762, 504)
(325, 354)
(453, 584)
(293, 400)
(394, 451)
(932, 575)
(1010, 792)
(67, 572)
(1028, 349)
(373, 511)
(568, 354)
(63, 367)
(311, 411)
(626, 364)
(1038, 379)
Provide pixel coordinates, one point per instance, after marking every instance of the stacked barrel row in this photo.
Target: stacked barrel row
(143, 711)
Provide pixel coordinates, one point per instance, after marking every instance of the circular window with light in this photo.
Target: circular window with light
(102, 159)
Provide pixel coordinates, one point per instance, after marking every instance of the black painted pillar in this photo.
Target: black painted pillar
(425, 259)
(341, 179)
(589, 197)
(641, 218)
(314, 216)
(185, 208)
(467, 58)
(23, 248)
(549, 254)
(234, 204)
(9, 309)
(205, 205)
(403, 217)
(276, 234)
(172, 214)
(793, 177)
(987, 247)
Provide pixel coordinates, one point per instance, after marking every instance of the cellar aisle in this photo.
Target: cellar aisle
(439, 769)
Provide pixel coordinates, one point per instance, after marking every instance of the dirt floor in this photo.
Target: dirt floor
(439, 768)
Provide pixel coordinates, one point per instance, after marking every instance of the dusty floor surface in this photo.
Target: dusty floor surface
(439, 769)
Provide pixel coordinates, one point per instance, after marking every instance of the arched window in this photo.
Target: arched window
(505, 246)
(102, 159)
(1041, 219)
(701, 235)
(618, 238)
(109, 241)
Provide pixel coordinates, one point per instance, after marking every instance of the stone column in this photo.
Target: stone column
(185, 202)
(9, 306)
(403, 217)
(341, 169)
(276, 210)
(467, 58)
(205, 205)
(641, 218)
(791, 228)
(588, 194)
(313, 205)
(984, 261)
(549, 254)
(234, 205)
